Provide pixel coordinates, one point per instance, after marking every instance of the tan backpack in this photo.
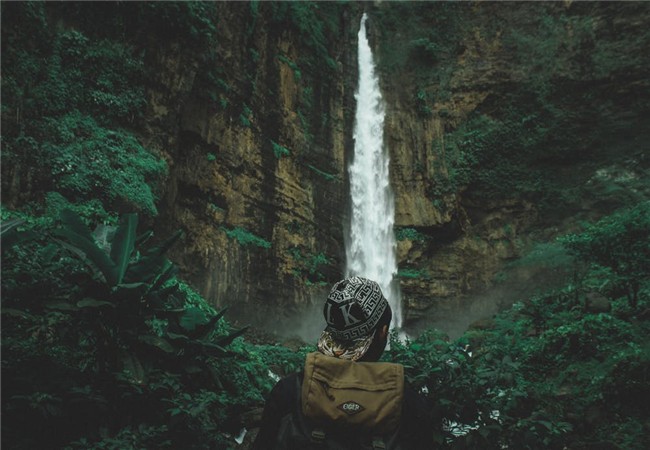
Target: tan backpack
(362, 395)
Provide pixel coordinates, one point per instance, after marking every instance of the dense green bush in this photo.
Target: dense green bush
(102, 347)
(550, 372)
(565, 379)
(619, 243)
(70, 97)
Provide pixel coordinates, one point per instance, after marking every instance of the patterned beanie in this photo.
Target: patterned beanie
(352, 311)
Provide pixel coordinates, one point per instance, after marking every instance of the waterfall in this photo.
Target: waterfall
(370, 244)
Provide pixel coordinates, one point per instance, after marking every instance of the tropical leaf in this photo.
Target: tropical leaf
(212, 349)
(146, 269)
(95, 255)
(144, 237)
(157, 341)
(9, 225)
(131, 292)
(191, 318)
(73, 222)
(16, 313)
(202, 331)
(162, 248)
(10, 236)
(60, 305)
(227, 340)
(123, 244)
(133, 368)
(92, 303)
(167, 272)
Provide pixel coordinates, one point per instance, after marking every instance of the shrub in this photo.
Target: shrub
(619, 242)
(104, 335)
(245, 237)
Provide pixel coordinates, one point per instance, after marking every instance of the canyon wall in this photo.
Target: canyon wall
(258, 172)
(543, 87)
(506, 124)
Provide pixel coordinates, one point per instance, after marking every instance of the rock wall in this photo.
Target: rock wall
(454, 62)
(257, 184)
(257, 134)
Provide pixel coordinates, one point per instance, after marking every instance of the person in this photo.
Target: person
(344, 390)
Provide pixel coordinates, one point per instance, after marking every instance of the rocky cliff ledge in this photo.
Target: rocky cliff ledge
(506, 124)
(499, 122)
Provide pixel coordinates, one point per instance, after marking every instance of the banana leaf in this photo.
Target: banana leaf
(73, 222)
(92, 253)
(191, 318)
(8, 225)
(144, 237)
(202, 331)
(212, 349)
(157, 341)
(162, 248)
(123, 244)
(227, 340)
(92, 303)
(131, 291)
(167, 272)
(10, 236)
(132, 366)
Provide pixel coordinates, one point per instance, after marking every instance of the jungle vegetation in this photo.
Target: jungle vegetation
(104, 346)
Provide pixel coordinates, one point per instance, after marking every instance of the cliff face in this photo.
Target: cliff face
(257, 171)
(502, 124)
(260, 184)
(506, 123)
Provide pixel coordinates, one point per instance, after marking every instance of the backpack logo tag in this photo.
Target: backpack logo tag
(351, 408)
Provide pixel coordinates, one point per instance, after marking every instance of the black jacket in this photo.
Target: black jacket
(415, 428)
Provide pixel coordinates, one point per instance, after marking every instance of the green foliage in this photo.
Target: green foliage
(427, 48)
(88, 161)
(546, 374)
(292, 65)
(327, 176)
(411, 234)
(315, 22)
(619, 242)
(100, 332)
(545, 254)
(310, 265)
(498, 157)
(68, 96)
(283, 361)
(245, 116)
(279, 151)
(421, 103)
(413, 273)
(246, 238)
(543, 46)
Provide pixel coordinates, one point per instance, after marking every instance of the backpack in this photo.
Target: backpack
(344, 405)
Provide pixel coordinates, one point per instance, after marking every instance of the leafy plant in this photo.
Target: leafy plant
(309, 265)
(326, 175)
(117, 340)
(245, 237)
(411, 234)
(279, 151)
(619, 242)
(413, 273)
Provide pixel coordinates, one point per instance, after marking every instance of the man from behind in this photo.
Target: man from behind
(346, 398)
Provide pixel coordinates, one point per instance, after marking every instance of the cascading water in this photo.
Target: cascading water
(370, 245)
